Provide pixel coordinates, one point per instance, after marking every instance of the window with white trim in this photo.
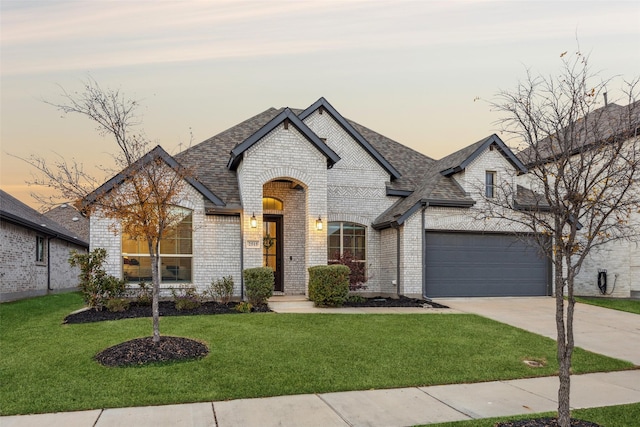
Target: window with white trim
(346, 237)
(176, 255)
(490, 184)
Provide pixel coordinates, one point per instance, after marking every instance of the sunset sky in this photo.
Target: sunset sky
(419, 72)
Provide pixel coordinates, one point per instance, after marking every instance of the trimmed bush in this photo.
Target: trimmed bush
(328, 285)
(259, 284)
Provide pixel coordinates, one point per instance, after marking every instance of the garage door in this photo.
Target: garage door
(467, 264)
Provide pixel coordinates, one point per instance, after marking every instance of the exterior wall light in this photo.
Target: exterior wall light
(319, 224)
(254, 221)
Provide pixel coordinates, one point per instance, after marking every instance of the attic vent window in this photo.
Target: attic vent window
(490, 184)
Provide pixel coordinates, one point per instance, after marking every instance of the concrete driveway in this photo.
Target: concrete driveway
(600, 330)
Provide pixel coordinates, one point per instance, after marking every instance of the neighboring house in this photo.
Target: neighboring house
(34, 252)
(70, 218)
(619, 260)
(296, 188)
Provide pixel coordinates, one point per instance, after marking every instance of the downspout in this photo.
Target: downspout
(398, 269)
(49, 262)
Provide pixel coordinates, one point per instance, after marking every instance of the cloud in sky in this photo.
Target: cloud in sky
(44, 36)
(408, 69)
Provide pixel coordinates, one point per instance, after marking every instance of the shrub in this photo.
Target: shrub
(259, 284)
(357, 270)
(222, 289)
(186, 298)
(96, 286)
(145, 295)
(117, 304)
(244, 307)
(328, 285)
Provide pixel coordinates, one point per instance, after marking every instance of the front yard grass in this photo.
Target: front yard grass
(632, 306)
(48, 367)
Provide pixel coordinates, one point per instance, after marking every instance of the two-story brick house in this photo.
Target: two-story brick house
(295, 188)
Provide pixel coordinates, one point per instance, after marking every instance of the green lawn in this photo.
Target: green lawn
(608, 416)
(46, 366)
(632, 306)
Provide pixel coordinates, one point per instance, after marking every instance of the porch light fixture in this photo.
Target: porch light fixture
(254, 221)
(319, 224)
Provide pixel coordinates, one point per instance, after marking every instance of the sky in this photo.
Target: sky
(419, 72)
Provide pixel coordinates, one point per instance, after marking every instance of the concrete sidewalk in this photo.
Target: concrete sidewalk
(384, 408)
(609, 332)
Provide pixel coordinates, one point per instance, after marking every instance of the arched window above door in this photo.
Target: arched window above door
(271, 203)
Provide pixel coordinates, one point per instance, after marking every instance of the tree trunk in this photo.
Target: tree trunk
(155, 305)
(564, 326)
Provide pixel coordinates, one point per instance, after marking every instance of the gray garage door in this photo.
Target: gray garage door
(467, 264)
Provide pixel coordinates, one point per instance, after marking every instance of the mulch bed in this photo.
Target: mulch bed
(142, 351)
(545, 422)
(393, 302)
(167, 308)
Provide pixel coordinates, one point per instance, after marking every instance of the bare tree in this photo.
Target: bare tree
(583, 186)
(141, 199)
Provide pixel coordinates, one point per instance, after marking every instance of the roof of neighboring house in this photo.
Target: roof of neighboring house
(609, 123)
(71, 219)
(13, 210)
(438, 188)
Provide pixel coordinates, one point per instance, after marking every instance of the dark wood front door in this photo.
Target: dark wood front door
(272, 247)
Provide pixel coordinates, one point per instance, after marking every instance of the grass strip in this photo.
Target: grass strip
(631, 306)
(607, 416)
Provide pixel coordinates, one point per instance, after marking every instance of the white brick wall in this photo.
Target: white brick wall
(356, 192)
(286, 154)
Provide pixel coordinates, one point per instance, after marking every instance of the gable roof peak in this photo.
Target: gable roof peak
(286, 116)
(156, 153)
(323, 104)
(459, 160)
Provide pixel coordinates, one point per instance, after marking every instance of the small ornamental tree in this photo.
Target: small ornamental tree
(141, 198)
(358, 270)
(583, 186)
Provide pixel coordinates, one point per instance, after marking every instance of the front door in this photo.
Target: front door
(272, 247)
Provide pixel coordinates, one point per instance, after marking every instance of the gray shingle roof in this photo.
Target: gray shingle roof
(209, 158)
(13, 210)
(607, 123)
(71, 219)
(438, 188)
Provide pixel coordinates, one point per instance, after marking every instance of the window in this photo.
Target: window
(271, 203)
(39, 249)
(346, 237)
(490, 184)
(176, 255)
